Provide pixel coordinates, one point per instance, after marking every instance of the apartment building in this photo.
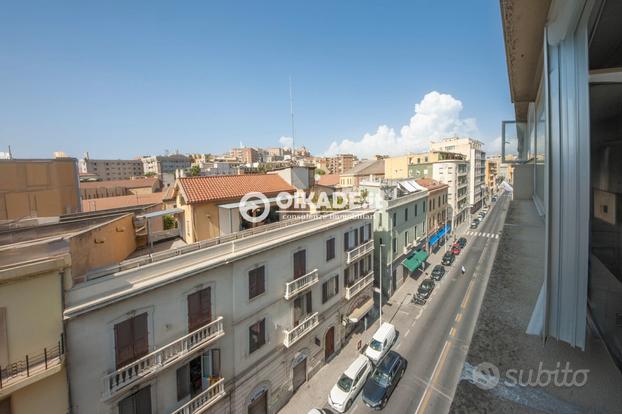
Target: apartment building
(117, 188)
(474, 153)
(38, 188)
(402, 166)
(438, 212)
(456, 175)
(337, 164)
(363, 171)
(228, 327)
(165, 164)
(492, 173)
(246, 155)
(107, 170)
(399, 230)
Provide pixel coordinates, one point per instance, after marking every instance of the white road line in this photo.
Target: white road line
(423, 397)
(496, 236)
(406, 334)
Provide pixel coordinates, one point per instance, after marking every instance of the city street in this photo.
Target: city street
(433, 338)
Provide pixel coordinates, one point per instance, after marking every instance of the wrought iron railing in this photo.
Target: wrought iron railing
(32, 364)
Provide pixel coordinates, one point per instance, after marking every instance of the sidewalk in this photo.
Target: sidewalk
(314, 393)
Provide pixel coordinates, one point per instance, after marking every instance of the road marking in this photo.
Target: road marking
(458, 317)
(406, 334)
(452, 332)
(403, 311)
(496, 236)
(441, 361)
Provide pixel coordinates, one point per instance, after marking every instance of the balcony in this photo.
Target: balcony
(359, 251)
(303, 328)
(161, 358)
(303, 282)
(33, 367)
(203, 401)
(359, 285)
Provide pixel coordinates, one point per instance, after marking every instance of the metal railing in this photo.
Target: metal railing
(204, 400)
(300, 330)
(360, 251)
(163, 357)
(359, 285)
(298, 285)
(32, 365)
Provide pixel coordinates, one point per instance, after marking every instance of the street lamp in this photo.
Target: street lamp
(381, 273)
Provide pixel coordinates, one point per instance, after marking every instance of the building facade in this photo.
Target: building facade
(438, 213)
(246, 155)
(456, 175)
(165, 164)
(107, 170)
(234, 327)
(402, 166)
(337, 164)
(38, 188)
(474, 153)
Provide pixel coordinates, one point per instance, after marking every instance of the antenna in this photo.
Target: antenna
(291, 111)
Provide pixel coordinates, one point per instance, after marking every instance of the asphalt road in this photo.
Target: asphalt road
(434, 338)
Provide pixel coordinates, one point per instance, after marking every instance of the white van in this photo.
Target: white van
(381, 342)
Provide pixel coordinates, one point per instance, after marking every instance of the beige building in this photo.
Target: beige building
(370, 170)
(111, 169)
(492, 173)
(400, 167)
(474, 153)
(233, 326)
(438, 211)
(117, 188)
(165, 164)
(454, 173)
(38, 188)
(337, 164)
(246, 155)
(211, 204)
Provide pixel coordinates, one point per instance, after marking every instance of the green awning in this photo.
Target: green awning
(413, 261)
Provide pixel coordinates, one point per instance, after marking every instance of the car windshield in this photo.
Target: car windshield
(376, 345)
(426, 285)
(380, 378)
(345, 383)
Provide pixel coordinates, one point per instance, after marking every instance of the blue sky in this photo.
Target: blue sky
(122, 79)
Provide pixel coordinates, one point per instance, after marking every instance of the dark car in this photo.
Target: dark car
(418, 300)
(455, 249)
(462, 242)
(425, 288)
(438, 272)
(494, 199)
(474, 224)
(382, 381)
(448, 259)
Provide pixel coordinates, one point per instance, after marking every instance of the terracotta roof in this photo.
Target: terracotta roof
(136, 183)
(97, 204)
(370, 167)
(169, 193)
(430, 184)
(329, 180)
(231, 187)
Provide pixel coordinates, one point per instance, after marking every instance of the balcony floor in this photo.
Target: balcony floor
(500, 337)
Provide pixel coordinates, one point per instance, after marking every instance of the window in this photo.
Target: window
(256, 282)
(405, 238)
(137, 403)
(330, 249)
(330, 288)
(406, 214)
(379, 219)
(131, 340)
(256, 336)
(183, 382)
(394, 219)
(300, 263)
(394, 245)
(199, 309)
(303, 307)
(349, 239)
(361, 234)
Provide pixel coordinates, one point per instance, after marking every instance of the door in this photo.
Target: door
(259, 405)
(300, 263)
(199, 309)
(300, 374)
(196, 377)
(329, 343)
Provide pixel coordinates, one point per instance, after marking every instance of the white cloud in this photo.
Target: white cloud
(286, 142)
(493, 147)
(436, 116)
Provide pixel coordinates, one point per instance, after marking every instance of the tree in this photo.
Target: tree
(194, 171)
(169, 222)
(319, 171)
(150, 174)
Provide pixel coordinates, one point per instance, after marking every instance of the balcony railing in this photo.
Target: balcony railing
(304, 327)
(359, 285)
(32, 365)
(163, 357)
(204, 400)
(296, 286)
(360, 251)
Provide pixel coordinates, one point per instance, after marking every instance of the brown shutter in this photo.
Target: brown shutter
(206, 305)
(300, 264)
(346, 237)
(309, 303)
(141, 335)
(194, 311)
(4, 343)
(183, 382)
(123, 343)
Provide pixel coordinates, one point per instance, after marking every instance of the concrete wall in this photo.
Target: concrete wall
(40, 188)
(523, 182)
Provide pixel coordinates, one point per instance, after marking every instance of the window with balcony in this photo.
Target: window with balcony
(303, 307)
(131, 340)
(256, 336)
(394, 245)
(350, 239)
(256, 282)
(300, 263)
(198, 374)
(199, 309)
(137, 403)
(330, 288)
(330, 249)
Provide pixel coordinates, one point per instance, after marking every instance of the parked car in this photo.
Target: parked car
(319, 411)
(474, 224)
(462, 242)
(494, 199)
(455, 249)
(438, 272)
(448, 259)
(380, 343)
(425, 288)
(383, 380)
(350, 383)
(418, 300)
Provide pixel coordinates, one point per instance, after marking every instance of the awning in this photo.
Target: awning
(358, 313)
(415, 260)
(445, 230)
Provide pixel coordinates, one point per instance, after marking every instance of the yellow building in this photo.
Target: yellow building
(38, 188)
(398, 167)
(32, 350)
(492, 172)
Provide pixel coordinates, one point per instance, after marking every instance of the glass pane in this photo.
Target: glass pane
(515, 144)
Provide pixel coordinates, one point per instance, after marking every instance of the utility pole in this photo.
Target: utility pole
(291, 111)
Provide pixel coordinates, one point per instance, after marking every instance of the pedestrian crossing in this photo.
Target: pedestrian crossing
(481, 234)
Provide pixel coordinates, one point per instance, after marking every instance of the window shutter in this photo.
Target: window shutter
(356, 236)
(300, 264)
(4, 348)
(143, 401)
(361, 234)
(141, 336)
(183, 382)
(206, 305)
(252, 287)
(324, 292)
(309, 303)
(346, 237)
(216, 362)
(261, 288)
(262, 331)
(194, 311)
(124, 343)
(346, 272)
